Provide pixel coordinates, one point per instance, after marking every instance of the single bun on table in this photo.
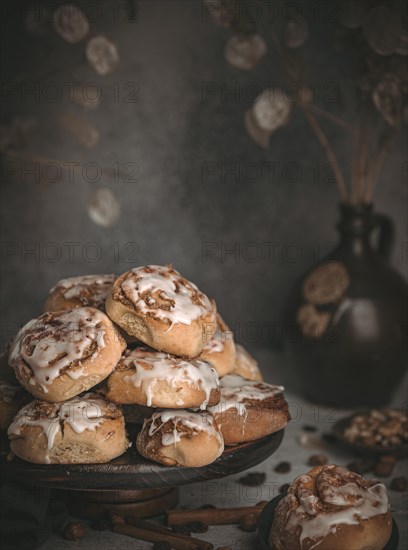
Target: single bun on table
(156, 379)
(246, 365)
(158, 306)
(83, 291)
(331, 508)
(220, 350)
(249, 410)
(84, 430)
(12, 398)
(180, 438)
(63, 353)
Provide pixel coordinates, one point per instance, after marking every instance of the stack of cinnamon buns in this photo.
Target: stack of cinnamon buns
(149, 347)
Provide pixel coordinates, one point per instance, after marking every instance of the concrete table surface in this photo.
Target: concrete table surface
(296, 448)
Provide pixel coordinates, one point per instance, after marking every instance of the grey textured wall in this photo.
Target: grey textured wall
(171, 132)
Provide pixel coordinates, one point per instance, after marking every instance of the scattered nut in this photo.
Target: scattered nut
(74, 531)
(248, 523)
(116, 518)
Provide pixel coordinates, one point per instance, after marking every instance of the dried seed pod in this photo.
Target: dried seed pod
(387, 98)
(102, 54)
(351, 14)
(296, 33)
(312, 322)
(245, 51)
(382, 30)
(70, 23)
(261, 137)
(80, 129)
(272, 109)
(103, 207)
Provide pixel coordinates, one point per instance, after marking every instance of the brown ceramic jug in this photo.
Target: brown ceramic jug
(351, 312)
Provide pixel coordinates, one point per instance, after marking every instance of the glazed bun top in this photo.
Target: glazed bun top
(238, 392)
(328, 496)
(57, 342)
(162, 293)
(88, 290)
(173, 425)
(83, 412)
(147, 367)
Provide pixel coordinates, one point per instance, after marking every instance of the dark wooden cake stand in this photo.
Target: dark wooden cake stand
(131, 484)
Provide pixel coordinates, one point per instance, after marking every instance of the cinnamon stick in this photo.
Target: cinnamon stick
(143, 524)
(212, 516)
(176, 542)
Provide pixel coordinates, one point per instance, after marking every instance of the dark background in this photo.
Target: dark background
(178, 204)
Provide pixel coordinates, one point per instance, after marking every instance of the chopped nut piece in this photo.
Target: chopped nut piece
(74, 531)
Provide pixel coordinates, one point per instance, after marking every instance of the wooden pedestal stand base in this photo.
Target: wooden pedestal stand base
(142, 503)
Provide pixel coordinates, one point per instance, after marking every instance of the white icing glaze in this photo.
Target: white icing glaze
(235, 390)
(152, 366)
(355, 501)
(56, 341)
(91, 290)
(82, 413)
(221, 336)
(194, 421)
(161, 292)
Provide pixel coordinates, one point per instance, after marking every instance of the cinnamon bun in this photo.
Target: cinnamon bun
(83, 291)
(246, 365)
(87, 429)
(157, 379)
(249, 410)
(180, 438)
(220, 350)
(63, 353)
(331, 508)
(158, 306)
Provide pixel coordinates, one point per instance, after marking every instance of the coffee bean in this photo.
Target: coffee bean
(318, 460)
(309, 428)
(253, 479)
(283, 467)
(360, 467)
(385, 465)
(399, 484)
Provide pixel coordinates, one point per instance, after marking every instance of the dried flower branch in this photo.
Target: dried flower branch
(321, 136)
